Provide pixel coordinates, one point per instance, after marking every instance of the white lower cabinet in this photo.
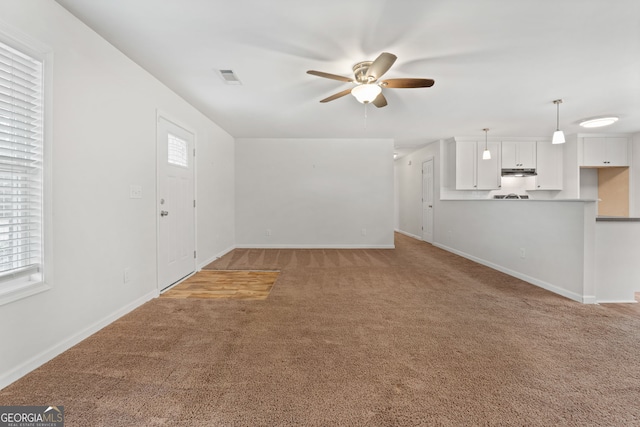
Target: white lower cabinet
(549, 166)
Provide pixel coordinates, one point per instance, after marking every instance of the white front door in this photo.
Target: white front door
(427, 201)
(175, 204)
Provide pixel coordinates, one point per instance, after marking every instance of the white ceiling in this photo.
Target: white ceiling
(497, 63)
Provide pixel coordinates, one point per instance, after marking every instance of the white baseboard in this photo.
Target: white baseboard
(215, 257)
(302, 246)
(540, 283)
(616, 301)
(48, 354)
(410, 235)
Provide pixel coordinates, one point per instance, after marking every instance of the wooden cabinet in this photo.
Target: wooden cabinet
(474, 173)
(549, 165)
(518, 155)
(604, 151)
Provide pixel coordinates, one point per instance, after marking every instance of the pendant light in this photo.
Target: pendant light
(558, 135)
(486, 154)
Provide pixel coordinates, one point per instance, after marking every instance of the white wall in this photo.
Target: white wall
(215, 193)
(556, 237)
(409, 186)
(571, 169)
(589, 183)
(634, 178)
(617, 268)
(103, 140)
(314, 192)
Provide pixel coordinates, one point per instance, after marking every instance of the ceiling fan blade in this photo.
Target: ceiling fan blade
(381, 65)
(329, 76)
(337, 95)
(407, 83)
(380, 101)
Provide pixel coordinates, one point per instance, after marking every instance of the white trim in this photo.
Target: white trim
(616, 302)
(432, 159)
(24, 43)
(303, 246)
(413, 236)
(163, 115)
(541, 284)
(215, 257)
(173, 285)
(64, 345)
(24, 291)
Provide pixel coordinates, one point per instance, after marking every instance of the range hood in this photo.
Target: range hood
(519, 172)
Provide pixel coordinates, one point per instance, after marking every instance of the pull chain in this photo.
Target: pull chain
(365, 116)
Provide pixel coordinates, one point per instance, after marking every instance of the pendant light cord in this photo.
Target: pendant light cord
(557, 102)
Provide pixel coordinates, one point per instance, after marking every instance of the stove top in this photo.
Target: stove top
(511, 196)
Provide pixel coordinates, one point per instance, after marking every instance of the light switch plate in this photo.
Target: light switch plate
(135, 192)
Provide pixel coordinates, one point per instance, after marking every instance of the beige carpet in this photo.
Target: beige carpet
(412, 336)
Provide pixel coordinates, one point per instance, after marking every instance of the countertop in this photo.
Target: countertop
(517, 200)
(617, 219)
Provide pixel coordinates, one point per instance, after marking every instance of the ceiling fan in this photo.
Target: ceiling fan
(366, 74)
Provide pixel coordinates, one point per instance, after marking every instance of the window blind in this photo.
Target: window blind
(21, 162)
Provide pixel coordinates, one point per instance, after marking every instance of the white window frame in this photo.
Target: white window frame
(23, 286)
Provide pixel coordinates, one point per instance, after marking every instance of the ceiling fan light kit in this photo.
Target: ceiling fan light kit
(366, 74)
(366, 93)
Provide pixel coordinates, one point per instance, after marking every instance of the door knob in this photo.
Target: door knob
(164, 213)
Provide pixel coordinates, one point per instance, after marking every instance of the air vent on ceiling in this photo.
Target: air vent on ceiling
(229, 77)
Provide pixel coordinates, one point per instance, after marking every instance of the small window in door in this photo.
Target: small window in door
(177, 152)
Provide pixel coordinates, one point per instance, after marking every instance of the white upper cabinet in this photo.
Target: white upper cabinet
(518, 155)
(474, 173)
(549, 166)
(605, 151)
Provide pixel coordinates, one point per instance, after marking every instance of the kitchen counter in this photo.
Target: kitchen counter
(517, 200)
(617, 219)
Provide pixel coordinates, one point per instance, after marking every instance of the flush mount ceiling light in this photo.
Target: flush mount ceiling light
(486, 154)
(598, 122)
(366, 93)
(558, 135)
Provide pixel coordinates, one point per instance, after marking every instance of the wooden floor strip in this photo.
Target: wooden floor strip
(225, 284)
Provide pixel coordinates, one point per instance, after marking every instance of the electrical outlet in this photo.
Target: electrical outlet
(268, 232)
(523, 253)
(126, 275)
(364, 231)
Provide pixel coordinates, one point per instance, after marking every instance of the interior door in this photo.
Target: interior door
(427, 201)
(175, 203)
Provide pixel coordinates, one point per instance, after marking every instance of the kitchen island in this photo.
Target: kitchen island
(559, 244)
(549, 243)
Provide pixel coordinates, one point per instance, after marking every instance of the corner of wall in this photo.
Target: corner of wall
(634, 179)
